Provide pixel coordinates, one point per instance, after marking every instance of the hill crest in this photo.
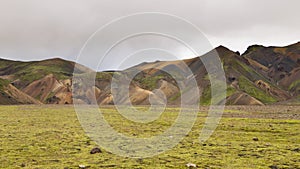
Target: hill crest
(261, 75)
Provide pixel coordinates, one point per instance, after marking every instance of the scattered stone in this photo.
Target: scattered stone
(255, 139)
(191, 165)
(139, 160)
(95, 150)
(268, 144)
(241, 155)
(81, 166)
(273, 167)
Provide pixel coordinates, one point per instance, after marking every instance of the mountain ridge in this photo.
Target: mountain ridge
(261, 75)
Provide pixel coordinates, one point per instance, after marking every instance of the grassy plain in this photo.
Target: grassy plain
(51, 137)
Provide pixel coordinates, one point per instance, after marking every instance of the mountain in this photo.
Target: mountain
(11, 95)
(261, 75)
(281, 65)
(245, 84)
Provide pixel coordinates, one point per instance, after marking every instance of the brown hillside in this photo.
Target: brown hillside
(262, 75)
(50, 90)
(11, 95)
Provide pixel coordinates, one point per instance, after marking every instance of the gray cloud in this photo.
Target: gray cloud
(36, 29)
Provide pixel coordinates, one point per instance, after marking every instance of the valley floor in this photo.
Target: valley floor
(46, 136)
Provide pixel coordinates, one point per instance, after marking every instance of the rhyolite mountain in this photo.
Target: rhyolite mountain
(261, 75)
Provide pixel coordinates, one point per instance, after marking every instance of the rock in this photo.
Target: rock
(95, 150)
(296, 149)
(268, 144)
(23, 165)
(139, 160)
(241, 155)
(81, 166)
(255, 139)
(273, 167)
(191, 165)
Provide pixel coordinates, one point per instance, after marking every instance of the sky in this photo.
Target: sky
(40, 29)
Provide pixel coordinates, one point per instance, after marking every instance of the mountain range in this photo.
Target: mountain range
(261, 75)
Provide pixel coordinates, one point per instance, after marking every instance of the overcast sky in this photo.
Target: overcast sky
(40, 29)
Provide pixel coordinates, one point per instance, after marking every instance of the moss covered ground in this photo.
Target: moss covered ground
(51, 137)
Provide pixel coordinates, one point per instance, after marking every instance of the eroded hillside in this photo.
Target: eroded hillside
(262, 75)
